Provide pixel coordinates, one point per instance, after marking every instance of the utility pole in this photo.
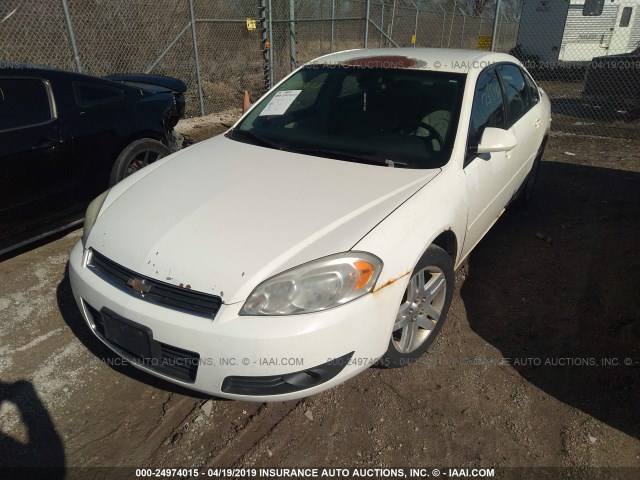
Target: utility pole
(494, 40)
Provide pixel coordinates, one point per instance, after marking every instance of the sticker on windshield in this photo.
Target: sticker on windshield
(280, 102)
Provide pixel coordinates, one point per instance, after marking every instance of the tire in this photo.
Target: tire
(137, 155)
(418, 322)
(525, 192)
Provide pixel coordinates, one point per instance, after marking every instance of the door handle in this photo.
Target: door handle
(47, 144)
(537, 123)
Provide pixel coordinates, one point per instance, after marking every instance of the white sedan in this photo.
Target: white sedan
(319, 235)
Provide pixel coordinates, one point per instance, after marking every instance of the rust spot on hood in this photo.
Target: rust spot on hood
(391, 281)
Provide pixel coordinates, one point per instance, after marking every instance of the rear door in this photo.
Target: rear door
(522, 103)
(627, 27)
(34, 177)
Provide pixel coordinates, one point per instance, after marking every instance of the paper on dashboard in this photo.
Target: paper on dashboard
(280, 102)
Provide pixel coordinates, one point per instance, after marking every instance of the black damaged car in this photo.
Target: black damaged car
(66, 137)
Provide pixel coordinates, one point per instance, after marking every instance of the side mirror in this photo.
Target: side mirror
(496, 140)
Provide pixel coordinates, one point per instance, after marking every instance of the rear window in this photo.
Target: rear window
(516, 91)
(91, 95)
(534, 95)
(24, 102)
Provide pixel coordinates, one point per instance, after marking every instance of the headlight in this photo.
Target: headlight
(92, 215)
(315, 286)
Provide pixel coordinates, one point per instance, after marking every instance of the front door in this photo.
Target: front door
(34, 178)
(486, 174)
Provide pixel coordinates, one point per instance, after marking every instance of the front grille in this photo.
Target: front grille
(177, 363)
(158, 292)
(168, 360)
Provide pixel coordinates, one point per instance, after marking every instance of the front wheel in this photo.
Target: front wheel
(423, 309)
(137, 155)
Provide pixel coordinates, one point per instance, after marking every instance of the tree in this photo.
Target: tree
(479, 6)
(470, 7)
(511, 8)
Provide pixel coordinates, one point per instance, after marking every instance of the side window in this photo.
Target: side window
(350, 86)
(592, 8)
(534, 95)
(626, 16)
(24, 102)
(91, 95)
(516, 92)
(488, 106)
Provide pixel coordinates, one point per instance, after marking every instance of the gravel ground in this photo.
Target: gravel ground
(572, 114)
(528, 371)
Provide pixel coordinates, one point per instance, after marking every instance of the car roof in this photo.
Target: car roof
(156, 84)
(11, 68)
(433, 59)
(51, 73)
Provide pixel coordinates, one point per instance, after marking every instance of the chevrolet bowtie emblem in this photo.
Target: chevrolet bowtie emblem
(139, 285)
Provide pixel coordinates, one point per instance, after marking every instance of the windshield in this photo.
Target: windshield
(401, 118)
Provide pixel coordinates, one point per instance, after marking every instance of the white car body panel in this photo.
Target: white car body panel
(253, 212)
(309, 207)
(412, 232)
(360, 326)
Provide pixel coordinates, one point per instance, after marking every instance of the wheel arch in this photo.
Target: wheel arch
(118, 169)
(437, 211)
(447, 241)
(139, 135)
(543, 144)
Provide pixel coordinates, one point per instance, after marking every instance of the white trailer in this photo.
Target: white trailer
(575, 31)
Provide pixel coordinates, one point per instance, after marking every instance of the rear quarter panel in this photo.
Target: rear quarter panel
(545, 111)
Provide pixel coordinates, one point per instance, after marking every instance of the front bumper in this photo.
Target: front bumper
(239, 354)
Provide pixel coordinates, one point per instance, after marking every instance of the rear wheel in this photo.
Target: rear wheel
(423, 309)
(523, 196)
(137, 155)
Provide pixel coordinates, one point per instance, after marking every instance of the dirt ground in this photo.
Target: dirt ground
(572, 114)
(538, 364)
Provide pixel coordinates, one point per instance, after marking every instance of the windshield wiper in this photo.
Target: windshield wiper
(368, 158)
(339, 154)
(259, 139)
(394, 163)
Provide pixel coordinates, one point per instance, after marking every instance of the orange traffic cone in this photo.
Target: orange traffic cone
(247, 102)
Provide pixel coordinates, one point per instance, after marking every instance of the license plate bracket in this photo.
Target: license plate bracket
(128, 335)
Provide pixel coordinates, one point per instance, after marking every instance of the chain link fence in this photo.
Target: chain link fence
(583, 52)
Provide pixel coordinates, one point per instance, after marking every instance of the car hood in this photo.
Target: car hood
(222, 216)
